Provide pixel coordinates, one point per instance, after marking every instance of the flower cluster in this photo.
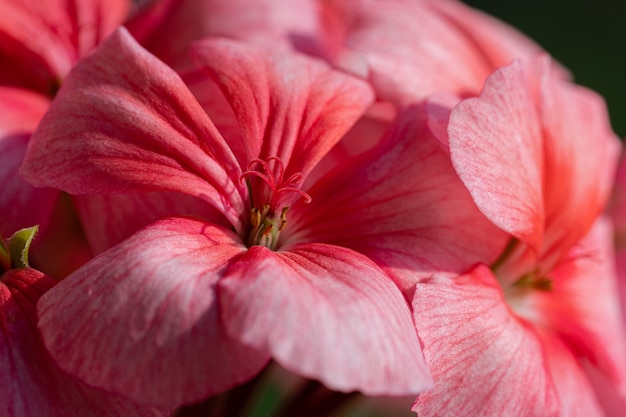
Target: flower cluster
(386, 197)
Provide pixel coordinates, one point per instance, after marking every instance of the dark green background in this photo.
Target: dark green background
(588, 37)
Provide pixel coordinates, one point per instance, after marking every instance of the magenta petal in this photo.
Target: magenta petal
(123, 122)
(484, 361)
(402, 205)
(141, 319)
(490, 134)
(327, 313)
(31, 384)
(287, 105)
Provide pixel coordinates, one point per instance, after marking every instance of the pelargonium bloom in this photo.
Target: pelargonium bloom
(198, 305)
(31, 384)
(539, 331)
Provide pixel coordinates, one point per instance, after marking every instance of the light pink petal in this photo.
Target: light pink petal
(496, 148)
(43, 40)
(498, 42)
(484, 361)
(31, 385)
(288, 106)
(109, 219)
(581, 156)
(402, 205)
(575, 391)
(412, 50)
(123, 122)
(583, 306)
(168, 30)
(142, 320)
(326, 313)
(21, 205)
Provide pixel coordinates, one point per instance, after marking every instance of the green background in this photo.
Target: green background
(588, 37)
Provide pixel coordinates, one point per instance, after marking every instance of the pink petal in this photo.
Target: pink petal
(31, 385)
(496, 148)
(574, 389)
(412, 50)
(326, 313)
(288, 106)
(402, 205)
(484, 361)
(169, 29)
(583, 306)
(43, 40)
(581, 156)
(109, 219)
(498, 42)
(123, 122)
(141, 319)
(21, 205)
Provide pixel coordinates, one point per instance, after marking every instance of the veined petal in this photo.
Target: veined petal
(581, 156)
(583, 306)
(21, 205)
(142, 320)
(288, 106)
(484, 361)
(124, 122)
(42, 40)
(572, 384)
(31, 384)
(326, 313)
(496, 148)
(402, 205)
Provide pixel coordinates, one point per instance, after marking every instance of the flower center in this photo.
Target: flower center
(270, 195)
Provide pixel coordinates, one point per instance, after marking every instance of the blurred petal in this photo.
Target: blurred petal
(21, 205)
(141, 319)
(31, 384)
(583, 306)
(327, 313)
(484, 361)
(43, 40)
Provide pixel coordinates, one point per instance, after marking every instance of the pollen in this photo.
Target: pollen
(270, 196)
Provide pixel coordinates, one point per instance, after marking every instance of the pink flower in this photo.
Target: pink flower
(198, 305)
(410, 50)
(538, 332)
(31, 384)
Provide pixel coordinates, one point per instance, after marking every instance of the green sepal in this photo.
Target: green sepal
(5, 256)
(19, 244)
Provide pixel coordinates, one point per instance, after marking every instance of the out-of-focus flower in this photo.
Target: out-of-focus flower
(31, 384)
(39, 44)
(537, 155)
(202, 304)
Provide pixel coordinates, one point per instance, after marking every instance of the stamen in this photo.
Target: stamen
(270, 219)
